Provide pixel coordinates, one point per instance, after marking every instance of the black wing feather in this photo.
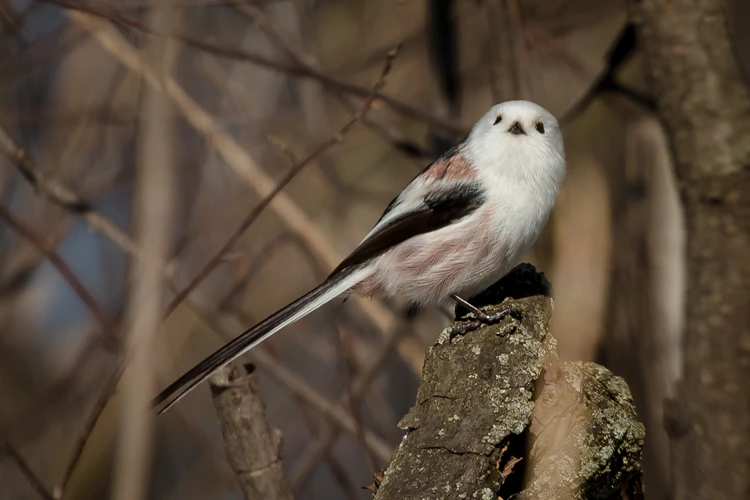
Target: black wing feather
(440, 209)
(395, 201)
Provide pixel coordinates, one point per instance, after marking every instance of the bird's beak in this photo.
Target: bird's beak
(516, 129)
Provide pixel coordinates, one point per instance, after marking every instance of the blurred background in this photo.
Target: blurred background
(235, 94)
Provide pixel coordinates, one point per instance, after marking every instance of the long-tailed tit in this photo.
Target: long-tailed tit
(459, 226)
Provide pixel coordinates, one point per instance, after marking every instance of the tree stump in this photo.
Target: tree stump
(498, 416)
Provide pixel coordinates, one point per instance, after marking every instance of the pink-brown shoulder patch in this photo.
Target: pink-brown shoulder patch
(369, 287)
(452, 168)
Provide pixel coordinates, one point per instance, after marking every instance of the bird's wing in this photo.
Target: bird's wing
(421, 208)
(450, 164)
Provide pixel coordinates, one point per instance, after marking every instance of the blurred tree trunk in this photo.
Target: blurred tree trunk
(704, 103)
(644, 330)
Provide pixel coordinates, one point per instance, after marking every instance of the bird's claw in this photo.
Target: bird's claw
(483, 318)
(499, 314)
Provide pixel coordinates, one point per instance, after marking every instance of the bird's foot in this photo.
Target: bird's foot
(497, 315)
(484, 318)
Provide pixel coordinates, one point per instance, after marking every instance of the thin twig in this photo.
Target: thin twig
(236, 53)
(291, 174)
(348, 361)
(223, 323)
(292, 49)
(65, 271)
(52, 186)
(519, 50)
(237, 158)
(212, 451)
(109, 388)
(234, 155)
(340, 475)
(85, 116)
(304, 407)
(334, 413)
(107, 391)
(59, 194)
(329, 435)
(25, 469)
(111, 384)
(334, 83)
(303, 58)
(501, 60)
(32, 419)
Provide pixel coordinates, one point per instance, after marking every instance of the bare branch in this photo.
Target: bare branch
(106, 394)
(246, 167)
(223, 323)
(296, 169)
(501, 63)
(298, 385)
(252, 446)
(334, 413)
(65, 271)
(329, 436)
(25, 469)
(59, 194)
(302, 68)
(348, 360)
(294, 50)
(62, 198)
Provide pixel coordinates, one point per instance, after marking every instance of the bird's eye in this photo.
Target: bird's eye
(498, 119)
(540, 127)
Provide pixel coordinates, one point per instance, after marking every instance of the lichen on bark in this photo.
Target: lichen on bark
(498, 416)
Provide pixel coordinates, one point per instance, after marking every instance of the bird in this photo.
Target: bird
(460, 225)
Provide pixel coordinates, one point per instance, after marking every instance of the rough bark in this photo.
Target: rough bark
(703, 101)
(497, 414)
(252, 446)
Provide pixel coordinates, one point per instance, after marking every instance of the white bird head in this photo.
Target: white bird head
(518, 138)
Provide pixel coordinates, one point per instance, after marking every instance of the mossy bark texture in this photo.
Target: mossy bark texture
(498, 416)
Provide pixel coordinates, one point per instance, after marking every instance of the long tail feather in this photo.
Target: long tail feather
(314, 299)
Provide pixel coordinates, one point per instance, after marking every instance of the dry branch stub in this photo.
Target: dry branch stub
(498, 416)
(252, 446)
